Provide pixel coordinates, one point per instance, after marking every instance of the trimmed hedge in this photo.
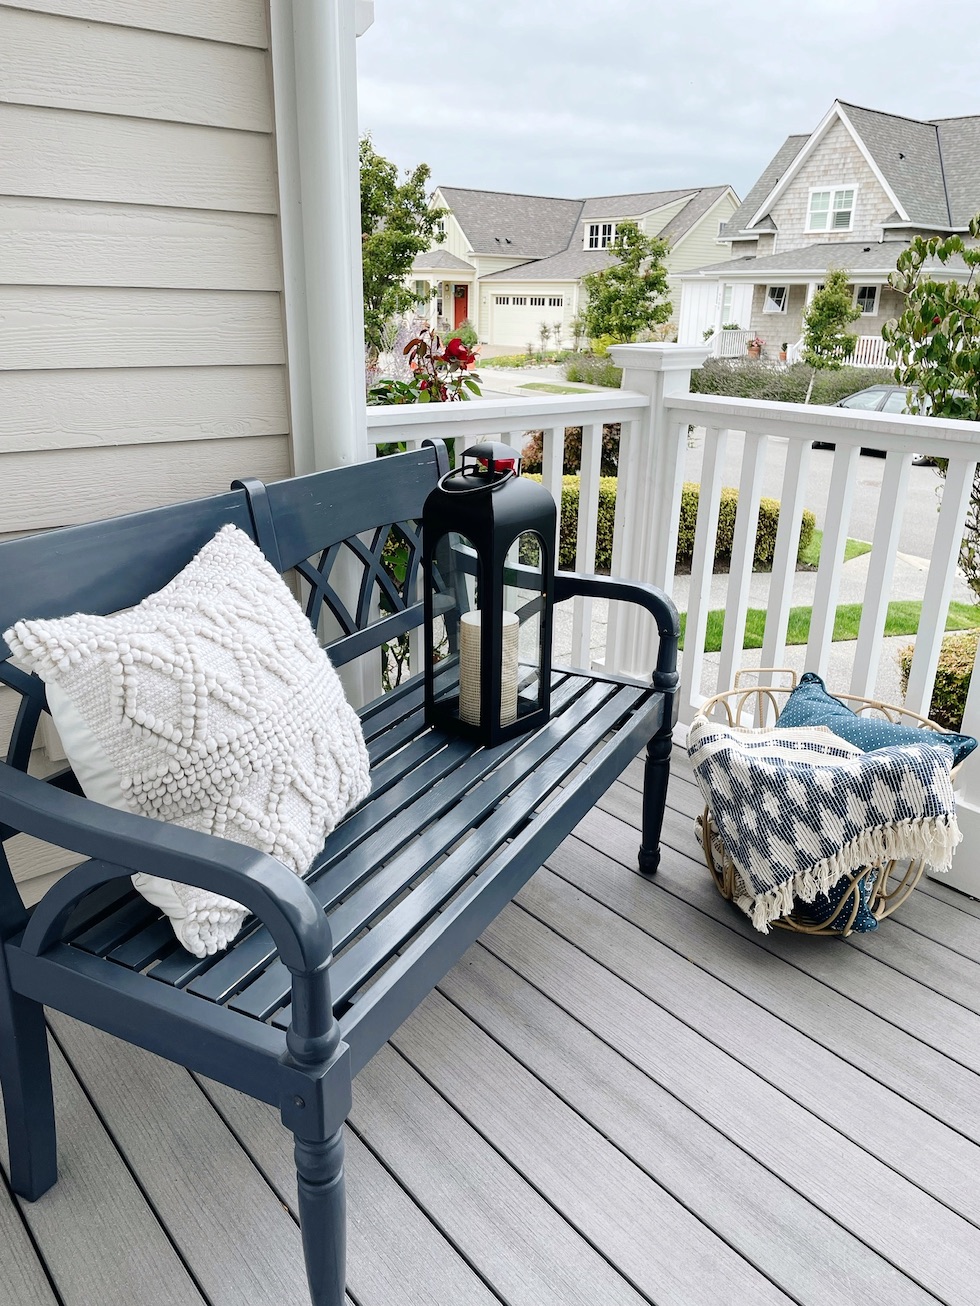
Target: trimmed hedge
(750, 379)
(765, 538)
(956, 659)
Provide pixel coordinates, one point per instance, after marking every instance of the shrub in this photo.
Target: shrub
(593, 370)
(465, 332)
(956, 660)
(572, 463)
(755, 380)
(765, 538)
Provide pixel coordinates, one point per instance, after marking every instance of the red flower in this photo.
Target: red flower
(456, 352)
(936, 321)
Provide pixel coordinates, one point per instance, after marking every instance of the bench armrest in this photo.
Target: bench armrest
(572, 584)
(131, 843)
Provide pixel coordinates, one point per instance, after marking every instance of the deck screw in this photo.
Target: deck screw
(298, 1101)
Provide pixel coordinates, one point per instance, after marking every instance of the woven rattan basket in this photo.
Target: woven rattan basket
(758, 706)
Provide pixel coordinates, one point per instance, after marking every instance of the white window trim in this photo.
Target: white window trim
(586, 241)
(765, 301)
(819, 190)
(877, 290)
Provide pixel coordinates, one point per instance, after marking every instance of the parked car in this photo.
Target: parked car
(878, 399)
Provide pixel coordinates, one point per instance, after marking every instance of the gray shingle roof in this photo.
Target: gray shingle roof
(959, 141)
(775, 169)
(696, 207)
(876, 259)
(433, 260)
(631, 206)
(528, 226)
(569, 265)
(906, 152)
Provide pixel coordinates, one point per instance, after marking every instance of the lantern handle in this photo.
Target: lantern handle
(508, 474)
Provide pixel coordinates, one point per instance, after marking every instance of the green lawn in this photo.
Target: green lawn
(551, 389)
(852, 549)
(902, 619)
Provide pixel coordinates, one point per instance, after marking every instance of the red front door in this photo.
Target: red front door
(461, 305)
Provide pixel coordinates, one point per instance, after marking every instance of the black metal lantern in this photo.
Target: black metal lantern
(488, 562)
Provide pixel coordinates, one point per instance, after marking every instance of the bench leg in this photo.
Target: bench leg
(25, 1074)
(323, 1216)
(656, 773)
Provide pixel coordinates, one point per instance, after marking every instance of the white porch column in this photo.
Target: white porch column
(315, 72)
(965, 871)
(648, 494)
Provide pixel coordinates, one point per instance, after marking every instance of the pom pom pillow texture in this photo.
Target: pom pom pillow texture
(209, 705)
(811, 705)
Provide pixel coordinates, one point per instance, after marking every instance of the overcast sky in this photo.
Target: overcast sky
(584, 97)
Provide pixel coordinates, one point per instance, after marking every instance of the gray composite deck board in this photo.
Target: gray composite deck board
(762, 1216)
(239, 1242)
(602, 1192)
(96, 1232)
(622, 1095)
(412, 1264)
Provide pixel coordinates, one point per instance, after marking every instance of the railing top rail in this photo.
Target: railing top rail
(550, 410)
(819, 422)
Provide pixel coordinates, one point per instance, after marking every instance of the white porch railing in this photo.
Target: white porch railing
(749, 443)
(730, 343)
(870, 351)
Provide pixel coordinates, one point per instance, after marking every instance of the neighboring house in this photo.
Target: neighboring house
(850, 195)
(512, 262)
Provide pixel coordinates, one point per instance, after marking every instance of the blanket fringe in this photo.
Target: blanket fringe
(930, 838)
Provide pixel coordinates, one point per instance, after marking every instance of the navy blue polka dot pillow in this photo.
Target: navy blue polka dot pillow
(811, 705)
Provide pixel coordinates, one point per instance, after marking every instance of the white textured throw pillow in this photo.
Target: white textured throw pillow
(209, 705)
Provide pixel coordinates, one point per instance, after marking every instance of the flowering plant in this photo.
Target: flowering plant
(439, 374)
(756, 342)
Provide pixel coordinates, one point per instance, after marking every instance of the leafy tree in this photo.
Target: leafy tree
(826, 340)
(632, 294)
(935, 346)
(396, 224)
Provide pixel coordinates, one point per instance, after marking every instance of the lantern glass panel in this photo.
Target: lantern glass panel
(524, 595)
(455, 593)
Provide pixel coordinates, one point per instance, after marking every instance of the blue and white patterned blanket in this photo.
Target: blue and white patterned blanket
(798, 810)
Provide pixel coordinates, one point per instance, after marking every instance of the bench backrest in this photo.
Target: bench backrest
(306, 523)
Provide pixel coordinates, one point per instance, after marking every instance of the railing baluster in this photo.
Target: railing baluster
(743, 549)
(884, 548)
(702, 564)
(635, 461)
(588, 531)
(939, 583)
(552, 464)
(840, 497)
(791, 506)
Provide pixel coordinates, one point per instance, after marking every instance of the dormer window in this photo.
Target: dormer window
(831, 210)
(600, 235)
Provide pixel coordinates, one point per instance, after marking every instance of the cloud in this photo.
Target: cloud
(577, 98)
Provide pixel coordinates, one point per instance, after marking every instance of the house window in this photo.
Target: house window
(601, 235)
(727, 295)
(831, 210)
(519, 300)
(423, 290)
(722, 225)
(775, 300)
(866, 299)
(556, 301)
(502, 299)
(537, 301)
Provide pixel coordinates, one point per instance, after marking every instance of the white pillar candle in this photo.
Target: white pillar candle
(470, 629)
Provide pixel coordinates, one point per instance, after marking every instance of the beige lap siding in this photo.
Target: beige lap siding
(142, 353)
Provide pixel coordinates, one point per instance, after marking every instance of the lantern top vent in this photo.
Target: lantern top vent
(483, 467)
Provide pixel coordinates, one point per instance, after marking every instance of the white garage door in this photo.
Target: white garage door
(516, 321)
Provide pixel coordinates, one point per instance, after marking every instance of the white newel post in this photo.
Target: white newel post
(648, 493)
(965, 872)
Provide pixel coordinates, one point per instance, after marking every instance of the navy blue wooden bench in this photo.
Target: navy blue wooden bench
(331, 965)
